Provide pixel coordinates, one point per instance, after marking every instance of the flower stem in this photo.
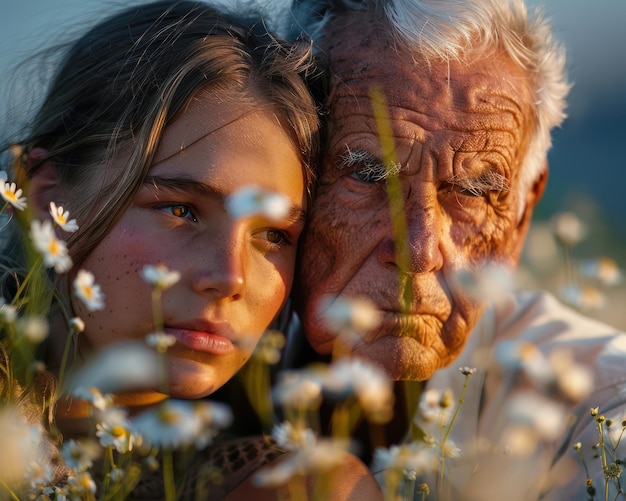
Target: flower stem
(168, 475)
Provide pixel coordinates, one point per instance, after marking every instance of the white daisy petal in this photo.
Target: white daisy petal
(12, 194)
(61, 218)
(251, 201)
(88, 291)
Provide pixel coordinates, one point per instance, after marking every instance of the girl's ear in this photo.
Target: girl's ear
(44, 183)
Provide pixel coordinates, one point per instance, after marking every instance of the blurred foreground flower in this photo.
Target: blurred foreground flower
(88, 291)
(113, 429)
(80, 455)
(435, 406)
(12, 195)
(160, 341)
(8, 312)
(19, 443)
(531, 420)
(416, 457)
(369, 383)
(350, 318)
(61, 218)
(34, 329)
(53, 250)
(93, 396)
(320, 457)
(293, 437)
(268, 350)
(568, 228)
(180, 423)
(159, 276)
(603, 269)
(117, 368)
(584, 298)
(490, 282)
(299, 389)
(250, 201)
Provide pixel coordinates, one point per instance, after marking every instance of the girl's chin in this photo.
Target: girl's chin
(188, 379)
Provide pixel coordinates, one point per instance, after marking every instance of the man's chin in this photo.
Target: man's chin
(404, 358)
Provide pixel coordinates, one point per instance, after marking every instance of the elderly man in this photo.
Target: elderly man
(470, 90)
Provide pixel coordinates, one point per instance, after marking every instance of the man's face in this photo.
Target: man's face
(460, 133)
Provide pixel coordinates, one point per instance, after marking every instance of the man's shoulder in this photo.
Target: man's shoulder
(540, 318)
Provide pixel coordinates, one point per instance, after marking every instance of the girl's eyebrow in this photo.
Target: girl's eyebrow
(192, 186)
(183, 184)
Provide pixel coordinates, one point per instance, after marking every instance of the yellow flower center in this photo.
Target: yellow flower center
(169, 416)
(54, 247)
(118, 431)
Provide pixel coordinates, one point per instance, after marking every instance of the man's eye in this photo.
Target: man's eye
(366, 176)
(179, 210)
(467, 191)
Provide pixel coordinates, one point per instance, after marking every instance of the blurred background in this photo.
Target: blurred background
(587, 161)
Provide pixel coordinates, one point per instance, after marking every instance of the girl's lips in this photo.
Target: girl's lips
(202, 341)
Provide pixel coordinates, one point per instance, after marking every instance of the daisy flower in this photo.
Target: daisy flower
(268, 350)
(603, 269)
(53, 250)
(159, 276)
(213, 416)
(369, 383)
(12, 195)
(78, 324)
(293, 438)
(300, 389)
(88, 291)
(82, 484)
(251, 201)
(435, 405)
(61, 218)
(113, 429)
(38, 475)
(172, 424)
(318, 457)
(79, 456)
(414, 457)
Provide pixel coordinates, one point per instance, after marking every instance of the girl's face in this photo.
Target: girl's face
(235, 274)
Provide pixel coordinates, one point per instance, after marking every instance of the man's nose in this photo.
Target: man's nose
(221, 270)
(420, 237)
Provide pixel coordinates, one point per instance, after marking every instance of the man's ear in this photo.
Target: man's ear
(533, 195)
(44, 183)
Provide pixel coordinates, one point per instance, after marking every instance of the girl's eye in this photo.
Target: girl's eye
(274, 237)
(179, 210)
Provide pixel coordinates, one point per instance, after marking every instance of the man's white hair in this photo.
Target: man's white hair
(458, 30)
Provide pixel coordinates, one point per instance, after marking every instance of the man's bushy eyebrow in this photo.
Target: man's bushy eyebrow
(488, 180)
(369, 165)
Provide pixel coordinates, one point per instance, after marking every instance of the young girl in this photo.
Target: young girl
(155, 120)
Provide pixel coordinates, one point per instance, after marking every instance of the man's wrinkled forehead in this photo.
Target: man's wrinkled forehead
(362, 55)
